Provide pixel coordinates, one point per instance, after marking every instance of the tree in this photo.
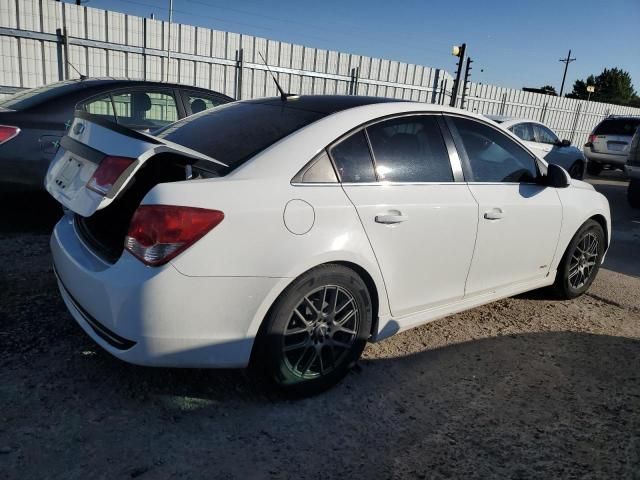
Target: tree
(550, 89)
(613, 85)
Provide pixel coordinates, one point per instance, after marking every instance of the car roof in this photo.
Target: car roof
(326, 104)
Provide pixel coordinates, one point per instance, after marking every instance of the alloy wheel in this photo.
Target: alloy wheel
(583, 260)
(320, 331)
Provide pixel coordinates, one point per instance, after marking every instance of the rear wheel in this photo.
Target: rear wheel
(594, 168)
(633, 193)
(317, 330)
(581, 261)
(577, 170)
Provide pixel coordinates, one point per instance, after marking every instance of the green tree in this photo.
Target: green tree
(550, 89)
(613, 85)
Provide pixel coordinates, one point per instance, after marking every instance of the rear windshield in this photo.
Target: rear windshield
(34, 96)
(618, 126)
(235, 132)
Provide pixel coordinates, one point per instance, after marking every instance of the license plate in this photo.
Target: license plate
(69, 172)
(615, 146)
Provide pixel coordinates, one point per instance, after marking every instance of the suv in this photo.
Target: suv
(609, 142)
(633, 170)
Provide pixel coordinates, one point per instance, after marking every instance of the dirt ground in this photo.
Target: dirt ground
(527, 387)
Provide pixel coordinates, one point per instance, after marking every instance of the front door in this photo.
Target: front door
(518, 219)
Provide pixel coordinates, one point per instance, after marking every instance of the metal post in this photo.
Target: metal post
(575, 121)
(566, 62)
(169, 42)
(239, 59)
(467, 70)
(456, 83)
(544, 111)
(504, 103)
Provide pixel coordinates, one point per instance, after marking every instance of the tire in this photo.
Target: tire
(306, 346)
(633, 193)
(577, 170)
(594, 168)
(580, 262)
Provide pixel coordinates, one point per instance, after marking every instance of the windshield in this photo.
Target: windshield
(236, 132)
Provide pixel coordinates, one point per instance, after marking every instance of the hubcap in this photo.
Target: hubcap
(583, 261)
(321, 330)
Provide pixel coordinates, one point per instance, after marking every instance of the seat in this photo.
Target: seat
(198, 105)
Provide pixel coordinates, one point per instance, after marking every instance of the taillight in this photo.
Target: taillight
(158, 233)
(7, 133)
(107, 173)
(592, 138)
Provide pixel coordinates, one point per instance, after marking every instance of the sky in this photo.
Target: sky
(515, 43)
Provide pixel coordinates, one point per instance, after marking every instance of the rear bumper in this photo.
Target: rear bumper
(605, 158)
(157, 316)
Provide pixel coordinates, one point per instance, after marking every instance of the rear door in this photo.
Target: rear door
(518, 220)
(420, 221)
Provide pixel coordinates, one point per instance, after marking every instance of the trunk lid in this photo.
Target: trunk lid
(88, 142)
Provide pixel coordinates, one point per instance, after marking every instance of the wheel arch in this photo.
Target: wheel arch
(603, 223)
(362, 272)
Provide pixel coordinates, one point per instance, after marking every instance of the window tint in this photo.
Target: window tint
(100, 106)
(494, 157)
(617, 126)
(144, 110)
(544, 135)
(235, 132)
(410, 149)
(199, 103)
(523, 131)
(353, 159)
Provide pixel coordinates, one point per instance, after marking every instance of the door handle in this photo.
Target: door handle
(494, 214)
(392, 217)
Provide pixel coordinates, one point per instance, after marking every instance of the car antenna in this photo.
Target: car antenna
(283, 95)
(82, 77)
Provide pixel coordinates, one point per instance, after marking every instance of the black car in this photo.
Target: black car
(32, 122)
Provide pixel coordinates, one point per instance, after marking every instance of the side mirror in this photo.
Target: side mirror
(564, 143)
(556, 177)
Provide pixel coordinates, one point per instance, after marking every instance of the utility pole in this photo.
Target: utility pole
(457, 51)
(467, 74)
(566, 62)
(169, 42)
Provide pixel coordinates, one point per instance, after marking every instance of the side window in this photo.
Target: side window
(353, 159)
(199, 102)
(410, 149)
(100, 106)
(523, 131)
(143, 110)
(494, 157)
(544, 135)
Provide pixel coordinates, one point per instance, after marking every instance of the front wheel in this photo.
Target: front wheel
(576, 170)
(317, 330)
(581, 261)
(633, 193)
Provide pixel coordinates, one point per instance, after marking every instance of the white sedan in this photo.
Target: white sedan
(289, 232)
(542, 141)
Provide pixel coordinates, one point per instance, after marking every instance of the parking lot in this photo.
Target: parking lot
(527, 387)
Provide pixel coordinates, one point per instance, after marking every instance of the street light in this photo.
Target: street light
(590, 89)
(457, 51)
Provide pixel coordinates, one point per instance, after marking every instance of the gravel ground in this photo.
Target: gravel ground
(526, 387)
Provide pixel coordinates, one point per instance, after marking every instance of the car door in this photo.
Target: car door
(518, 219)
(550, 144)
(420, 221)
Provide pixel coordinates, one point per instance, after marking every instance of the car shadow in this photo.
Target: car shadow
(554, 404)
(28, 212)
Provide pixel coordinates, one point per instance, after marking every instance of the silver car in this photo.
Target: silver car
(544, 143)
(609, 143)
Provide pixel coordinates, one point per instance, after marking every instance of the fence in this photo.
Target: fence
(44, 41)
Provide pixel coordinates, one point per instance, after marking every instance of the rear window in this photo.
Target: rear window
(235, 132)
(618, 126)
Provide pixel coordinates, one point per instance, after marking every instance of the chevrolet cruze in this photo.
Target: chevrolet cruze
(291, 231)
